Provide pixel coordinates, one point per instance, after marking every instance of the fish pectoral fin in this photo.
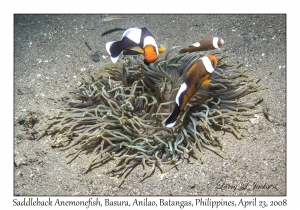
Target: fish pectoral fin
(137, 49)
(205, 83)
(161, 49)
(130, 52)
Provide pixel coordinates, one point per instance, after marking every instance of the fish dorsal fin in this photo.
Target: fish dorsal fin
(134, 34)
(197, 44)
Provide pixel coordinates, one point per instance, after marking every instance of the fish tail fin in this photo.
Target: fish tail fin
(171, 120)
(114, 50)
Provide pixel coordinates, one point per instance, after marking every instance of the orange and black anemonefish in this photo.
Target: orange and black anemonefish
(135, 41)
(198, 76)
(204, 45)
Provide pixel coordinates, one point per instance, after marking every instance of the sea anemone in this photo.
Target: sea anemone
(117, 114)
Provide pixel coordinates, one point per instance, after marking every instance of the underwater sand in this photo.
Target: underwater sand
(50, 53)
